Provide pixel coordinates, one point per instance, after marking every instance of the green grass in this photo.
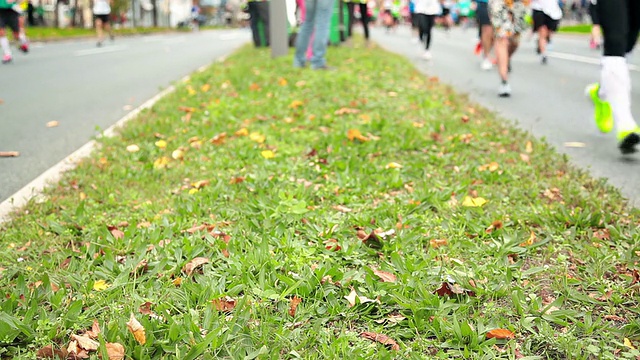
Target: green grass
(551, 256)
(47, 33)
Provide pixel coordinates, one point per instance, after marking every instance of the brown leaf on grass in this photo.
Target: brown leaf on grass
(381, 338)
(372, 240)
(140, 268)
(343, 111)
(137, 330)
(602, 234)
(74, 351)
(342, 208)
(465, 119)
(49, 352)
(95, 330)
(448, 289)
(604, 297)
(332, 244)
(496, 225)
(615, 318)
(293, 305)
(219, 139)
(355, 134)
(194, 265)
(200, 184)
(186, 109)
(85, 342)
(384, 276)
(500, 334)
(254, 87)
(236, 180)
(312, 153)
(225, 304)
(436, 243)
(115, 351)
(145, 309)
(552, 194)
(115, 232)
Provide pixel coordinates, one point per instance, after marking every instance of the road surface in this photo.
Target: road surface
(86, 89)
(547, 101)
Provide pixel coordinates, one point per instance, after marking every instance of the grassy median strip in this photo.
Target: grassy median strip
(48, 33)
(261, 211)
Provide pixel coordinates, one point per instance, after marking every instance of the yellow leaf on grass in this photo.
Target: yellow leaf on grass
(282, 82)
(161, 163)
(530, 241)
(528, 147)
(101, 285)
(205, 87)
(242, 132)
(628, 344)
(295, 104)
(190, 90)
(393, 165)
(161, 144)
(355, 134)
(473, 202)
(267, 154)
(257, 137)
(193, 191)
(137, 330)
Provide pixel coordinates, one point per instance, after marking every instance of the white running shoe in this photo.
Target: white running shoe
(486, 65)
(505, 90)
(426, 55)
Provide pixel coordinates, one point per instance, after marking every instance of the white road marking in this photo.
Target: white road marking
(583, 59)
(100, 50)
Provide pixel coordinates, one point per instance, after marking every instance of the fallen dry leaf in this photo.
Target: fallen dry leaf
(500, 334)
(85, 342)
(48, 352)
(161, 144)
(528, 148)
(137, 330)
(496, 225)
(101, 285)
(355, 134)
(117, 233)
(95, 330)
(530, 240)
(384, 276)
(342, 208)
(194, 265)
(343, 111)
(267, 154)
(382, 339)
(436, 243)
(115, 351)
(473, 201)
(393, 165)
(51, 124)
(133, 148)
(447, 289)
(293, 305)
(224, 304)
(76, 352)
(353, 296)
(332, 244)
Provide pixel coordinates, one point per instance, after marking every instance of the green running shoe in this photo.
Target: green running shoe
(628, 140)
(602, 113)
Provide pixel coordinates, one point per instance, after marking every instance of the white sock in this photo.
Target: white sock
(23, 38)
(4, 43)
(615, 87)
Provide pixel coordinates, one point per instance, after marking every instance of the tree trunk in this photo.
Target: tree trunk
(56, 17)
(155, 13)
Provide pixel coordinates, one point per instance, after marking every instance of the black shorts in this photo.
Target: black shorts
(103, 17)
(482, 14)
(541, 19)
(445, 11)
(593, 14)
(9, 18)
(414, 20)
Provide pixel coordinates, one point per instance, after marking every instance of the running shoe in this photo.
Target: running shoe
(543, 59)
(486, 64)
(478, 48)
(427, 55)
(6, 59)
(628, 140)
(504, 90)
(602, 113)
(24, 48)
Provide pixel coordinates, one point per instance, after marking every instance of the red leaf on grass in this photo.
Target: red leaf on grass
(447, 289)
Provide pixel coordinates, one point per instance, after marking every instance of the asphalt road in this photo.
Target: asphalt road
(547, 101)
(87, 89)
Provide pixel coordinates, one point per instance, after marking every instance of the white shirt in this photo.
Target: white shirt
(428, 7)
(101, 7)
(549, 7)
